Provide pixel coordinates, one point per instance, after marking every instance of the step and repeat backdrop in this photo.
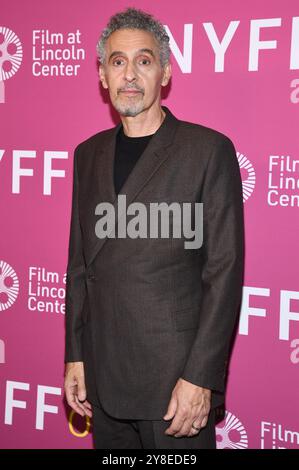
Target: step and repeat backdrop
(235, 69)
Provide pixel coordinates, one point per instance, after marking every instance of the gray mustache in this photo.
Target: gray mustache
(131, 88)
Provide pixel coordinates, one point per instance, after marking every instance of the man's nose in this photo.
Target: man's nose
(130, 73)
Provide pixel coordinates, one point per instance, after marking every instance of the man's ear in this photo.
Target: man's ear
(166, 74)
(102, 76)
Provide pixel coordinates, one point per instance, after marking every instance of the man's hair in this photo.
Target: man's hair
(133, 18)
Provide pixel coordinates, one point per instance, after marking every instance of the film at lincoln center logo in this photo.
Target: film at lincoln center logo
(231, 434)
(248, 181)
(11, 54)
(9, 286)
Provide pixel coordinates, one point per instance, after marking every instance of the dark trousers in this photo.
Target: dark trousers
(114, 433)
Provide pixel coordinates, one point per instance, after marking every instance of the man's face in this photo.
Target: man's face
(132, 71)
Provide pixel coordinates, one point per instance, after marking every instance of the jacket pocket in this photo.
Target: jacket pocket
(186, 319)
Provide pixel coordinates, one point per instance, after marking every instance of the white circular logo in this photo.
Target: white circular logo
(248, 183)
(9, 286)
(232, 434)
(11, 53)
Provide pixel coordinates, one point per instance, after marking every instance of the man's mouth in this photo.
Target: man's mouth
(130, 92)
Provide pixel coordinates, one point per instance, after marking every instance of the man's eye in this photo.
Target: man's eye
(117, 62)
(144, 61)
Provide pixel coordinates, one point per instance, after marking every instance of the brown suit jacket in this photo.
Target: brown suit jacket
(140, 313)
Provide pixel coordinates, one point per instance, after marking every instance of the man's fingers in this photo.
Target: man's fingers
(186, 428)
(204, 421)
(71, 393)
(81, 389)
(86, 403)
(78, 407)
(75, 389)
(193, 432)
(71, 399)
(199, 422)
(177, 423)
(87, 408)
(84, 409)
(171, 409)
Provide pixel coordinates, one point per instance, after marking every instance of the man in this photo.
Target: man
(148, 321)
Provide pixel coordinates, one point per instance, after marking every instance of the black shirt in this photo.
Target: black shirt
(127, 152)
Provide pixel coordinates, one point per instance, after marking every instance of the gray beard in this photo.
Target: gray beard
(129, 109)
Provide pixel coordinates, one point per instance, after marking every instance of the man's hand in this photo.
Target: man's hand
(189, 404)
(74, 387)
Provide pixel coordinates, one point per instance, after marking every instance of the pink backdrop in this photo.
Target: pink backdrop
(236, 69)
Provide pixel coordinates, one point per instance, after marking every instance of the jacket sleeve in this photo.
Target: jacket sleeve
(75, 278)
(222, 272)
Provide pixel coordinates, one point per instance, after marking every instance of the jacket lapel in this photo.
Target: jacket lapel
(147, 165)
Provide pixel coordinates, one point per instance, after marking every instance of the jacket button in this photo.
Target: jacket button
(91, 277)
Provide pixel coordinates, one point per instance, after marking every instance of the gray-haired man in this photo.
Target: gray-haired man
(149, 322)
